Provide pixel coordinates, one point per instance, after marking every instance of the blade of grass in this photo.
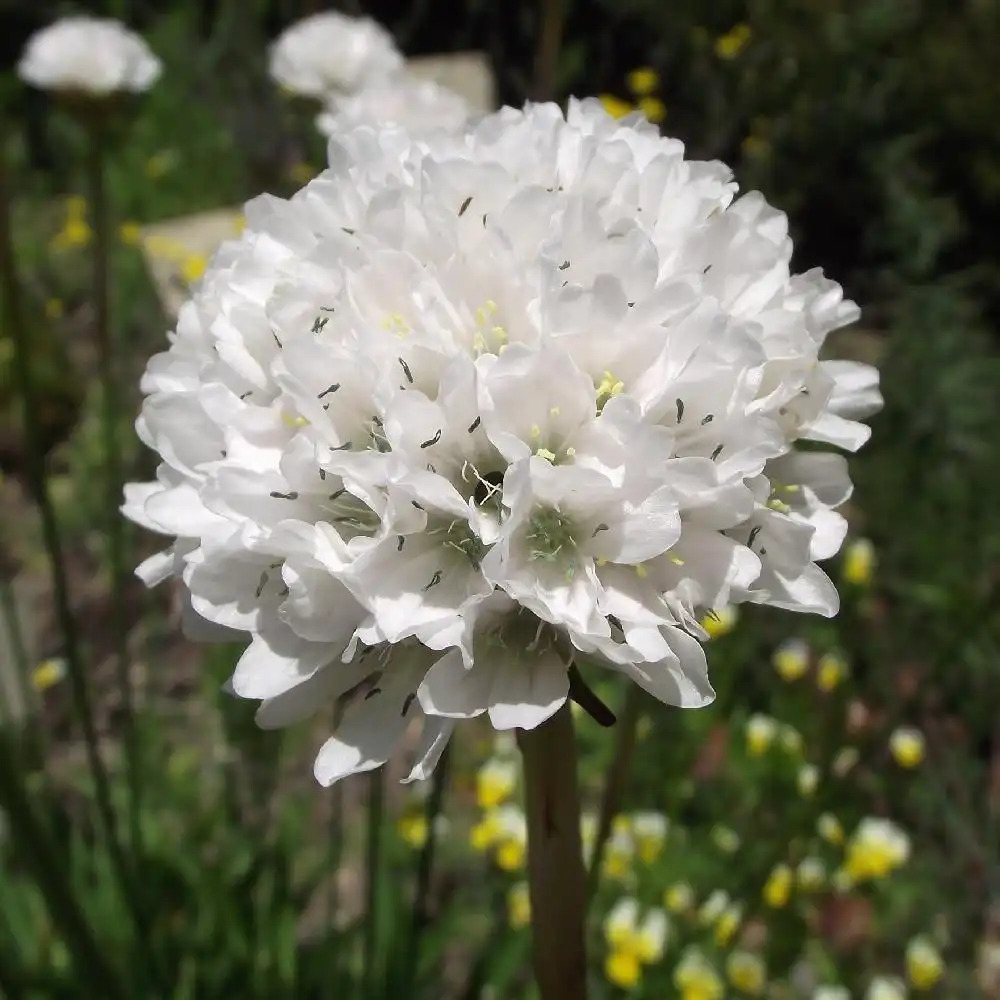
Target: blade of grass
(13, 700)
(615, 781)
(32, 841)
(425, 867)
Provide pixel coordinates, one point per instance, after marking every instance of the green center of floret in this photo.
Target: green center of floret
(550, 535)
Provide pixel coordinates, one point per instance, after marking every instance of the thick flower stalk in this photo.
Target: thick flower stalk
(472, 407)
(331, 53)
(88, 57)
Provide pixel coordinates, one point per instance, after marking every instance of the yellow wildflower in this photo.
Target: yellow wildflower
(830, 829)
(496, 781)
(844, 761)
(653, 108)
(728, 924)
(725, 838)
(76, 232)
(885, 988)
(859, 562)
(48, 673)
(830, 671)
(412, 829)
(807, 779)
(876, 848)
(193, 267)
(622, 967)
(485, 833)
(747, 972)
(130, 233)
(924, 964)
(907, 746)
(791, 738)
(760, 733)
(615, 106)
(518, 905)
(720, 621)
(679, 898)
(778, 887)
(696, 978)
(649, 830)
(791, 659)
(733, 42)
(810, 874)
(619, 853)
(643, 81)
(54, 308)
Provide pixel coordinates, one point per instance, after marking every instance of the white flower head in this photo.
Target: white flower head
(831, 993)
(88, 56)
(470, 407)
(330, 53)
(419, 106)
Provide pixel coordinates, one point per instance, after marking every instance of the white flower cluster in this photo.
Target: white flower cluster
(332, 53)
(353, 67)
(465, 410)
(419, 106)
(88, 56)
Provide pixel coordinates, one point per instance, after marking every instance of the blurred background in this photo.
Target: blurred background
(875, 124)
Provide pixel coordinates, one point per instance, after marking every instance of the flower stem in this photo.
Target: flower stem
(555, 857)
(373, 862)
(614, 783)
(552, 16)
(110, 414)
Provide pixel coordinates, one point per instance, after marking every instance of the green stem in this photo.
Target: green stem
(33, 843)
(615, 781)
(373, 861)
(425, 866)
(108, 361)
(556, 877)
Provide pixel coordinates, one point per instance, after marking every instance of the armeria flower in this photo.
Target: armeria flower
(470, 408)
(331, 53)
(420, 106)
(88, 56)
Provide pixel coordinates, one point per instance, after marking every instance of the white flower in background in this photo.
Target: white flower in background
(649, 829)
(88, 56)
(420, 106)
(761, 731)
(646, 937)
(468, 408)
(330, 53)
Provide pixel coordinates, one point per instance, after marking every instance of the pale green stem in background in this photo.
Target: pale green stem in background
(556, 877)
(615, 781)
(13, 321)
(108, 360)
